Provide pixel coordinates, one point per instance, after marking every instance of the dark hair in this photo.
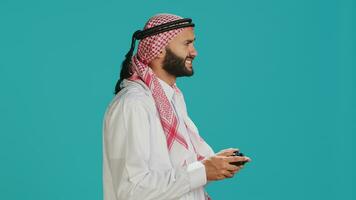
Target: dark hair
(125, 72)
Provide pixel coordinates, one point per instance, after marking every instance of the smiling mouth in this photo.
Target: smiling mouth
(189, 61)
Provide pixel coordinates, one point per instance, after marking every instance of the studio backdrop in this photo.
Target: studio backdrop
(273, 78)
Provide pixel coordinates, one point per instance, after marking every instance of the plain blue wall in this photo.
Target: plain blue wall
(273, 78)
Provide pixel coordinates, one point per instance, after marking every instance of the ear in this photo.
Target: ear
(162, 54)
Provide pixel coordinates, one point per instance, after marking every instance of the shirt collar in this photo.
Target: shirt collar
(168, 90)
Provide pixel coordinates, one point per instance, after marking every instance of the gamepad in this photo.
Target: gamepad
(238, 163)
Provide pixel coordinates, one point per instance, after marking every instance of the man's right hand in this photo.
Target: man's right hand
(218, 167)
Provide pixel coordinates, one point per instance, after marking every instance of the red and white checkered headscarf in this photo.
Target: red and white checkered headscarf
(148, 49)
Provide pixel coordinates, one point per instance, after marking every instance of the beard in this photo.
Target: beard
(175, 65)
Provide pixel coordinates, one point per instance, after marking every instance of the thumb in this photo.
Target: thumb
(227, 152)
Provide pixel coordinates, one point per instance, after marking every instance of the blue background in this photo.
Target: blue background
(273, 78)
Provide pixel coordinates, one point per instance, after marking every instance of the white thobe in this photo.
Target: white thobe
(136, 161)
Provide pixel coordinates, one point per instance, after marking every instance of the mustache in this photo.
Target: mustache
(190, 57)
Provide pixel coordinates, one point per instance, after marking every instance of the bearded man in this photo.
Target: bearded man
(151, 147)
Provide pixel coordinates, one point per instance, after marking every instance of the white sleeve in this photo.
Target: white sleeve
(146, 183)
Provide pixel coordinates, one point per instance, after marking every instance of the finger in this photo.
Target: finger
(234, 172)
(231, 167)
(237, 169)
(227, 152)
(236, 159)
(228, 174)
(249, 159)
(220, 177)
(240, 167)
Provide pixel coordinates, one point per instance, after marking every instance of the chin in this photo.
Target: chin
(189, 71)
(189, 67)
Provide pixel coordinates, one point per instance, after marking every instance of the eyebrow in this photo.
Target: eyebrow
(191, 40)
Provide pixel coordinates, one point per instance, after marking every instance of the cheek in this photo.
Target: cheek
(183, 52)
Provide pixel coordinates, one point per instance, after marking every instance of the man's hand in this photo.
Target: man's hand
(218, 167)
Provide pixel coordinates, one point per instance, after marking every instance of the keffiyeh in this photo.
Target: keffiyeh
(148, 49)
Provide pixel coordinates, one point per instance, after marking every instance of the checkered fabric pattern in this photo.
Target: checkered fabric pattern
(148, 49)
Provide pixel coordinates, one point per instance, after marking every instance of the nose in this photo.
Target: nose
(193, 52)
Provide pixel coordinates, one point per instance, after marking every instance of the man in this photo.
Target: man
(152, 149)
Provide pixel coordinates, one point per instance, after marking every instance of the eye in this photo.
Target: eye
(188, 42)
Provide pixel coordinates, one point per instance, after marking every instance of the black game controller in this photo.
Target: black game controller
(238, 163)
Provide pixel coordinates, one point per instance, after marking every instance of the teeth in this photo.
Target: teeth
(188, 61)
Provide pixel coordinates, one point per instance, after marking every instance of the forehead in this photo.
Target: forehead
(185, 34)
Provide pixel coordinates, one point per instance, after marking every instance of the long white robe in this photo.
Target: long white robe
(136, 161)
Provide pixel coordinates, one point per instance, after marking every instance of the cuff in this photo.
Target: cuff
(197, 175)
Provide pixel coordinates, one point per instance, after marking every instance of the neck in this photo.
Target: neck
(169, 79)
(164, 76)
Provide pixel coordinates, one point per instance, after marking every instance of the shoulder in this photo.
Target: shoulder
(135, 93)
(135, 96)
